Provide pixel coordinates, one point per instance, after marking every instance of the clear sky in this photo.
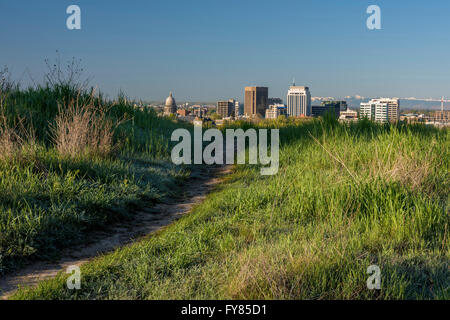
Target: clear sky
(210, 50)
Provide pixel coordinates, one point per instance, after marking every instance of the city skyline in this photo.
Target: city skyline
(149, 49)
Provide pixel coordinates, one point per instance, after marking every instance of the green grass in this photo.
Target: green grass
(49, 201)
(345, 197)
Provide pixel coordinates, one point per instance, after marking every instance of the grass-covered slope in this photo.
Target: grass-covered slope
(49, 199)
(345, 198)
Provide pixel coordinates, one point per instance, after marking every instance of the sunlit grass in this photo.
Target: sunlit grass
(346, 197)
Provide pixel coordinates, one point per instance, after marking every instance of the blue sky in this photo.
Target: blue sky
(210, 50)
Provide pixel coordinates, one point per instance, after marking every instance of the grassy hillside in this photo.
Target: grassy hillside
(72, 161)
(345, 198)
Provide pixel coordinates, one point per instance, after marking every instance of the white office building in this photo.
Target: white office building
(381, 110)
(298, 101)
(393, 110)
(367, 110)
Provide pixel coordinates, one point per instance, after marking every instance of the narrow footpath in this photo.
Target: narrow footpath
(144, 222)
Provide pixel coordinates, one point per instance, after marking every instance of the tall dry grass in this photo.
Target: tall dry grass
(83, 129)
(8, 140)
(13, 139)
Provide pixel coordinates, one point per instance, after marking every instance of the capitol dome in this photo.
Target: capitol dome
(171, 106)
(170, 101)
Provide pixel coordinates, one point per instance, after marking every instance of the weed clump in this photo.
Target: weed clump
(83, 130)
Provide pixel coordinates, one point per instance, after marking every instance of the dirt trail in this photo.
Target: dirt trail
(143, 223)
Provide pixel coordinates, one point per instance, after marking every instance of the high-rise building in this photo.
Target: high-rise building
(340, 104)
(225, 108)
(393, 111)
(367, 110)
(381, 110)
(298, 101)
(255, 101)
(238, 110)
(319, 111)
(334, 107)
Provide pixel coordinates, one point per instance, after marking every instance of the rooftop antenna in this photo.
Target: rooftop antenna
(293, 82)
